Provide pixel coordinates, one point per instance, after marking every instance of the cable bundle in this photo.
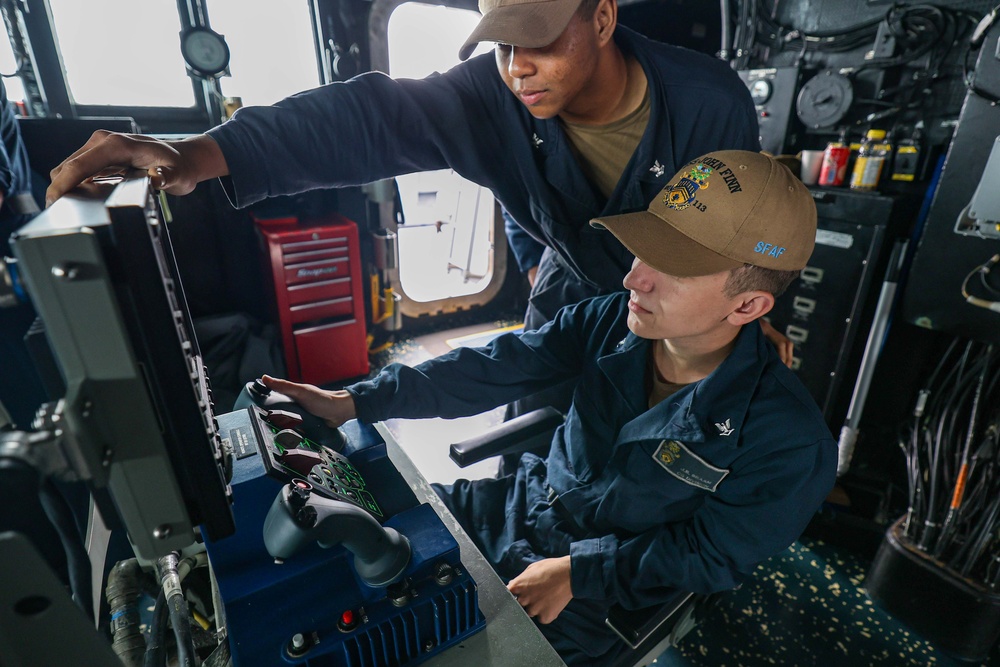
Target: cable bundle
(916, 28)
(953, 464)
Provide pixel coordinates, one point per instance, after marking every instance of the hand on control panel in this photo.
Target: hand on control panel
(298, 517)
(315, 412)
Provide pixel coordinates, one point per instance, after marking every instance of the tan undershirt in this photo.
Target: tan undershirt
(659, 388)
(604, 150)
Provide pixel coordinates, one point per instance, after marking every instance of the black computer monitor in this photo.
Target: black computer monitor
(136, 421)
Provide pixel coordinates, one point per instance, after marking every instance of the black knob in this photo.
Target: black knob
(288, 438)
(300, 492)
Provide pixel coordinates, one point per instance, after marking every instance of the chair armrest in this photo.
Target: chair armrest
(528, 431)
(635, 626)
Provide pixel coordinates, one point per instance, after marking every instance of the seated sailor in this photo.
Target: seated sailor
(690, 452)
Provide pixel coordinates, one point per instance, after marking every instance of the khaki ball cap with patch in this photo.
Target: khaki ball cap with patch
(719, 212)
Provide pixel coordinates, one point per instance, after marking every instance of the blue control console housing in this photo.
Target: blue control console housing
(314, 609)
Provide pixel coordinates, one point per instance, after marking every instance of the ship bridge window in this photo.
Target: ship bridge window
(272, 52)
(452, 248)
(8, 68)
(122, 52)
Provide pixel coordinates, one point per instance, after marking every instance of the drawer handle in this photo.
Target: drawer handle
(317, 304)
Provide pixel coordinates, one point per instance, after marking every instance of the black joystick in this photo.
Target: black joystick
(259, 394)
(298, 517)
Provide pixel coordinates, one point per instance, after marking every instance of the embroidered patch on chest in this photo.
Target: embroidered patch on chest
(686, 466)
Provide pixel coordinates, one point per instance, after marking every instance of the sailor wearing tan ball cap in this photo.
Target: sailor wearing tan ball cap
(689, 454)
(526, 23)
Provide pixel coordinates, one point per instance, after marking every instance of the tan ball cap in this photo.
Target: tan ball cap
(528, 23)
(719, 212)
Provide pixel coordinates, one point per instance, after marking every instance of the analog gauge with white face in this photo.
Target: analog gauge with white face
(760, 91)
(205, 51)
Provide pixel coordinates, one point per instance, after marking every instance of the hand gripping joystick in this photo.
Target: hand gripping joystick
(315, 428)
(298, 517)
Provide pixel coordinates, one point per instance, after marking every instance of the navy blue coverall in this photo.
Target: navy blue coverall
(691, 494)
(21, 389)
(374, 127)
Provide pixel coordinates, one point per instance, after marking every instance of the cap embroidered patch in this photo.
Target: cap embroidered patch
(681, 195)
(687, 466)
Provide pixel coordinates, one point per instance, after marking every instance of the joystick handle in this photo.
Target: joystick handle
(259, 394)
(298, 517)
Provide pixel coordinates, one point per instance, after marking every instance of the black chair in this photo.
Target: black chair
(648, 632)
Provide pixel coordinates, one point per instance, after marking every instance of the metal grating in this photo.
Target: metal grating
(416, 633)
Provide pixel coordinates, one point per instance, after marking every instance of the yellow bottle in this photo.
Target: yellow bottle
(871, 159)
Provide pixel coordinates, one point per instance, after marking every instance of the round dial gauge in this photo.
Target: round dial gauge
(760, 91)
(824, 99)
(205, 51)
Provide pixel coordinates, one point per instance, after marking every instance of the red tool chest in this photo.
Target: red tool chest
(316, 270)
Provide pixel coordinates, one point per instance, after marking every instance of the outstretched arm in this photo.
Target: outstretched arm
(174, 166)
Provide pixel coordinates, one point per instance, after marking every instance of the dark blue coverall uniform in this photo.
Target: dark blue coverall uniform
(374, 127)
(21, 389)
(691, 494)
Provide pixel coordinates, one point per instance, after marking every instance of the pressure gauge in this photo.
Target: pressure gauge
(205, 51)
(760, 91)
(824, 99)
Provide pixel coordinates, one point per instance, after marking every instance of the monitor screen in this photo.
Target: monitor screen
(136, 421)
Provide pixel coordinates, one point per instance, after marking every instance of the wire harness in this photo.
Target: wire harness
(953, 468)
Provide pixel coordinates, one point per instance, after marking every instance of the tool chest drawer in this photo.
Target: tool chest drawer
(318, 291)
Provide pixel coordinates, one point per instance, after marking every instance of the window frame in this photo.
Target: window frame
(378, 51)
(45, 59)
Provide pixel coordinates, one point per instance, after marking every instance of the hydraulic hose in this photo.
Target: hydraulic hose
(177, 608)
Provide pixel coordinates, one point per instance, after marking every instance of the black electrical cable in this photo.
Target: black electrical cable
(725, 39)
(980, 471)
(936, 397)
(745, 33)
(935, 456)
(180, 617)
(180, 620)
(981, 539)
(911, 450)
(920, 31)
(864, 27)
(156, 656)
(993, 571)
(938, 453)
(779, 36)
(923, 25)
(750, 38)
(962, 472)
(60, 514)
(930, 523)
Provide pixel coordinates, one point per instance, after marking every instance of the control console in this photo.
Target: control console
(287, 454)
(334, 561)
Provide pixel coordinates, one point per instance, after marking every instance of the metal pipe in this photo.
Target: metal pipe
(876, 336)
